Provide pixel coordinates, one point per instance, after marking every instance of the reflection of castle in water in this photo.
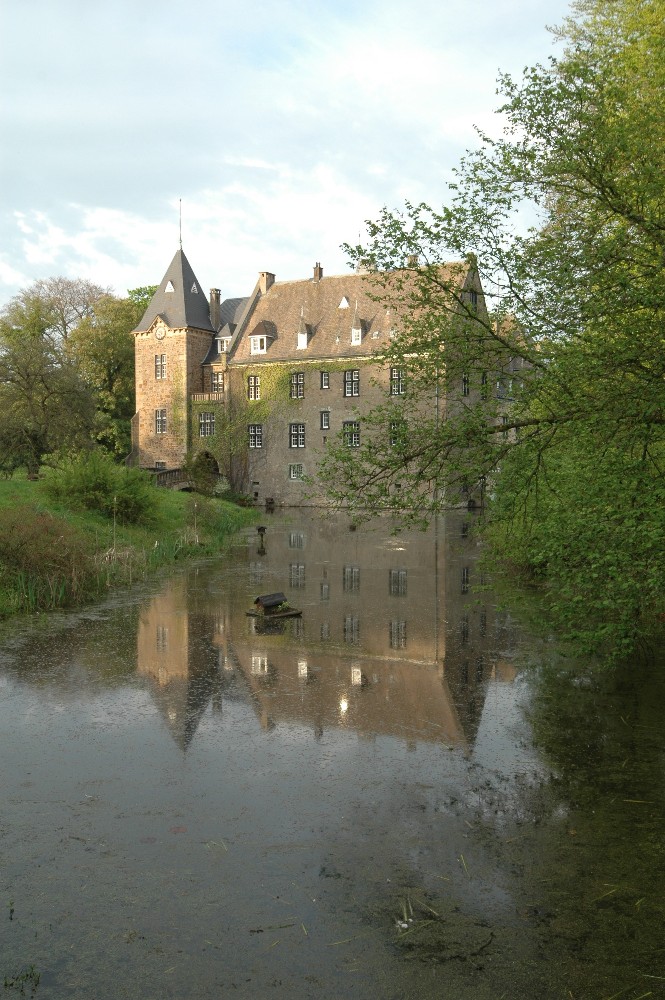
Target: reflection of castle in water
(393, 639)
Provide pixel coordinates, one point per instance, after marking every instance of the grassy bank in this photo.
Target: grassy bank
(52, 556)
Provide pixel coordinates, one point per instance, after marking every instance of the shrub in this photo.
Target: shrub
(45, 561)
(95, 482)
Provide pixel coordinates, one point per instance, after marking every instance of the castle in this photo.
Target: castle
(255, 387)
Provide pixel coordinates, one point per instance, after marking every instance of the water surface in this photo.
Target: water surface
(397, 795)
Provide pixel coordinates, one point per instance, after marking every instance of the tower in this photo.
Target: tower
(171, 342)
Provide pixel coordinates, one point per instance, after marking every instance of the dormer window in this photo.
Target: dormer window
(195, 290)
(169, 287)
(224, 344)
(302, 341)
(356, 335)
(262, 337)
(344, 304)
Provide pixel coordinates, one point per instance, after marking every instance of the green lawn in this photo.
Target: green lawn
(52, 556)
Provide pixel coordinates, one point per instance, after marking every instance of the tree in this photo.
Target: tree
(45, 404)
(69, 300)
(579, 299)
(102, 347)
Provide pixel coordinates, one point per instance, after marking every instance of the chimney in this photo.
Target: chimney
(215, 310)
(266, 281)
(318, 271)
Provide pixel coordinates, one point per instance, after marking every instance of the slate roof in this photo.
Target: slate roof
(328, 308)
(185, 305)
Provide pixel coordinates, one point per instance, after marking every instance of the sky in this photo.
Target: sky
(277, 127)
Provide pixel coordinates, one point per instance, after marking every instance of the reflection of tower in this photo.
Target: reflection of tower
(175, 652)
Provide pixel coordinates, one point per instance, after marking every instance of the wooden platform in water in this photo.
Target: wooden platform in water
(291, 613)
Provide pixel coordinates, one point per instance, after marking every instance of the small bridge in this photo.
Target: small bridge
(173, 479)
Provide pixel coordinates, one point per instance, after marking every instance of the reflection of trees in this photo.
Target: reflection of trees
(598, 827)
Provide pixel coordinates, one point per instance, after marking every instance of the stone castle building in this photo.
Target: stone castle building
(257, 386)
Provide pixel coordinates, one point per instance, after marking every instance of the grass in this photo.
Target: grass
(54, 556)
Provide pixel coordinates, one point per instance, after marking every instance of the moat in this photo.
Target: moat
(399, 794)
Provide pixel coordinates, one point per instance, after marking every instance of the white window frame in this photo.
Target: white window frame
(160, 366)
(206, 423)
(253, 387)
(296, 435)
(324, 380)
(258, 345)
(296, 471)
(160, 421)
(397, 382)
(255, 434)
(352, 382)
(297, 386)
(351, 433)
(325, 420)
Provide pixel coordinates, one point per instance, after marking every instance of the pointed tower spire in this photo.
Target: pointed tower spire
(180, 300)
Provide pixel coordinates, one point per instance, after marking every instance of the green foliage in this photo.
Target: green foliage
(576, 312)
(44, 401)
(93, 481)
(45, 561)
(52, 555)
(140, 297)
(102, 348)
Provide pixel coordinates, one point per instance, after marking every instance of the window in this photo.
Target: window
(352, 629)
(397, 383)
(325, 420)
(325, 590)
(160, 465)
(259, 666)
(257, 345)
(297, 575)
(296, 471)
(356, 335)
(504, 422)
(352, 383)
(296, 435)
(397, 635)
(160, 366)
(254, 387)
(473, 298)
(465, 385)
(465, 579)
(351, 579)
(397, 433)
(351, 432)
(484, 386)
(206, 424)
(255, 435)
(464, 629)
(397, 583)
(160, 421)
(325, 631)
(297, 385)
(162, 639)
(224, 344)
(217, 382)
(296, 540)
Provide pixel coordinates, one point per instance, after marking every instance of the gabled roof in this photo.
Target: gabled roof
(328, 308)
(180, 300)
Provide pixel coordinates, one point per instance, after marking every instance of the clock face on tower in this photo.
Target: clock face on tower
(159, 332)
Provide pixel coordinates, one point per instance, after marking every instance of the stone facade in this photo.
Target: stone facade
(261, 384)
